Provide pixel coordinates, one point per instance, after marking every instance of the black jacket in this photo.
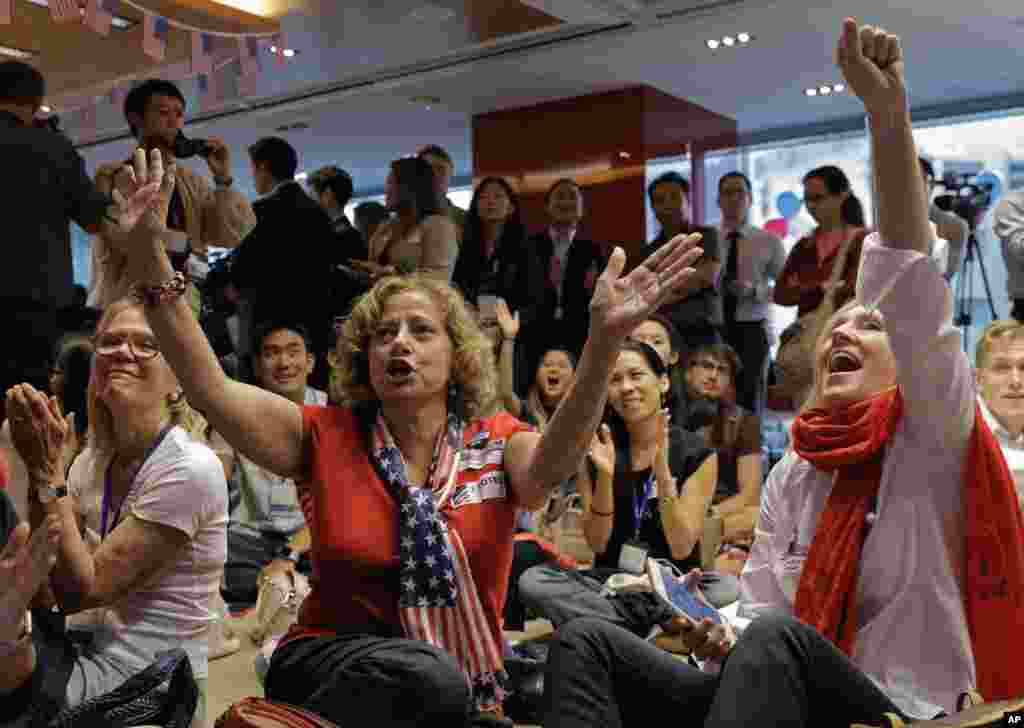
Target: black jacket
(44, 187)
(584, 264)
(283, 264)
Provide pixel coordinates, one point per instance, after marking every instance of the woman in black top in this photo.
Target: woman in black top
(491, 260)
(645, 483)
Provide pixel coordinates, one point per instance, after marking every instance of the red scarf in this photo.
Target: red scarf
(851, 442)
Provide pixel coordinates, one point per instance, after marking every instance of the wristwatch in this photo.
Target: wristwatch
(50, 493)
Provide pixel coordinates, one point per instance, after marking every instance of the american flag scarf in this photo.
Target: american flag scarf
(438, 600)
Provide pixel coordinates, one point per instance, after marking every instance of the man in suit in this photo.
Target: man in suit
(282, 267)
(563, 270)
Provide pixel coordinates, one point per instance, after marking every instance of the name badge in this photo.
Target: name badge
(633, 558)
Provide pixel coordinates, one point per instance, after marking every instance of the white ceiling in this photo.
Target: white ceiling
(955, 51)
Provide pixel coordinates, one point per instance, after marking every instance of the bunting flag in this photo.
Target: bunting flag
(62, 11)
(202, 53)
(99, 14)
(154, 36)
(249, 50)
(6, 12)
(206, 84)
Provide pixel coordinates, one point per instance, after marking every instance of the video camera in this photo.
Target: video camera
(965, 196)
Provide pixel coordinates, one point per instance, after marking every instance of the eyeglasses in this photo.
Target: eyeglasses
(141, 349)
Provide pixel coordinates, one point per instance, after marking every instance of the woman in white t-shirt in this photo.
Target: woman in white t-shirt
(143, 518)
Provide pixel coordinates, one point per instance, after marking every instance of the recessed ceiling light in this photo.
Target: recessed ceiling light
(728, 41)
(713, 44)
(45, 109)
(116, 21)
(744, 37)
(839, 88)
(20, 53)
(825, 90)
(811, 92)
(625, 155)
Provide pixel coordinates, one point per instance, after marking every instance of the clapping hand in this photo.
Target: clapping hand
(25, 563)
(661, 465)
(508, 322)
(871, 61)
(621, 302)
(602, 451)
(39, 431)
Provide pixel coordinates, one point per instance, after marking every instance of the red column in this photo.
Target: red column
(603, 141)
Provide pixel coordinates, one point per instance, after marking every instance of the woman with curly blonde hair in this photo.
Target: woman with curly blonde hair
(409, 488)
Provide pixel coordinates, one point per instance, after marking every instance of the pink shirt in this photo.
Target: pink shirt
(913, 639)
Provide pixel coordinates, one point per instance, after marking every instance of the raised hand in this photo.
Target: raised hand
(602, 451)
(661, 468)
(871, 61)
(508, 323)
(25, 563)
(142, 196)
(620, 302)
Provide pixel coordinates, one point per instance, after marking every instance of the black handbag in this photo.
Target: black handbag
(163, 694)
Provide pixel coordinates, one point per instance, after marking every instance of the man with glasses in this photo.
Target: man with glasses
(710, 373)
(753, 260)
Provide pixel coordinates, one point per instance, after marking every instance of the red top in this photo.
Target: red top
(353, 521)
(809, 266)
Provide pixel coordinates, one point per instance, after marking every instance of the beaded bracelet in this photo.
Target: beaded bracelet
(165, 292)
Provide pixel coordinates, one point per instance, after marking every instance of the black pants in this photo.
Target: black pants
(247, 555)
(525, 555)
(750, 341)
(386, 682)
(781, 673)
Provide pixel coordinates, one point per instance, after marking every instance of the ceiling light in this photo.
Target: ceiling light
(744, 37)
(713, 44)
(811, 92)
(286, 52)
(625, 155)
(825, 90)
(19, 53)
(839, 88)
(728, 41)
(116, 21)
(45, 109)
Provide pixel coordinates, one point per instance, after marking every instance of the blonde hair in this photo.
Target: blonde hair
(995, 331)
(474, 374)
(101, 420)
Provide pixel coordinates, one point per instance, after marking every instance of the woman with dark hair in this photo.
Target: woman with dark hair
(491, 261)
(419, 238)
(645, 486)
(840, 218)
(69, 383)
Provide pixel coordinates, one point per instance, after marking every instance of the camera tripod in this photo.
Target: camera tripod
(965, 287)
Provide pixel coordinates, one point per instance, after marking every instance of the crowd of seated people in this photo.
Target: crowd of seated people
(481, 379)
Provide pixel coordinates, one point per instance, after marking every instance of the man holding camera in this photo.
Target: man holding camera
(44, 187)
(199, 216)
(1008, 224)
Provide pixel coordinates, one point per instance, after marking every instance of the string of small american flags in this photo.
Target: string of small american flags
(211, 51)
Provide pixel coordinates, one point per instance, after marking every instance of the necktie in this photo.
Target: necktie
(555, 272)
(731, 270)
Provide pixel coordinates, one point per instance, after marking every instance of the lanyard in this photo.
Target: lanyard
(641, 500)
(108, 485)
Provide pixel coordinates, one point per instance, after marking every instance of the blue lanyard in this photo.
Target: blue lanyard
(108, 485)
(641, 501)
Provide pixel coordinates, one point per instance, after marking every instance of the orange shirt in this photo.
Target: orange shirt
(353, 521)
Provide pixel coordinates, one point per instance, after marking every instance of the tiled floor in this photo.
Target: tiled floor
(234, 677)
